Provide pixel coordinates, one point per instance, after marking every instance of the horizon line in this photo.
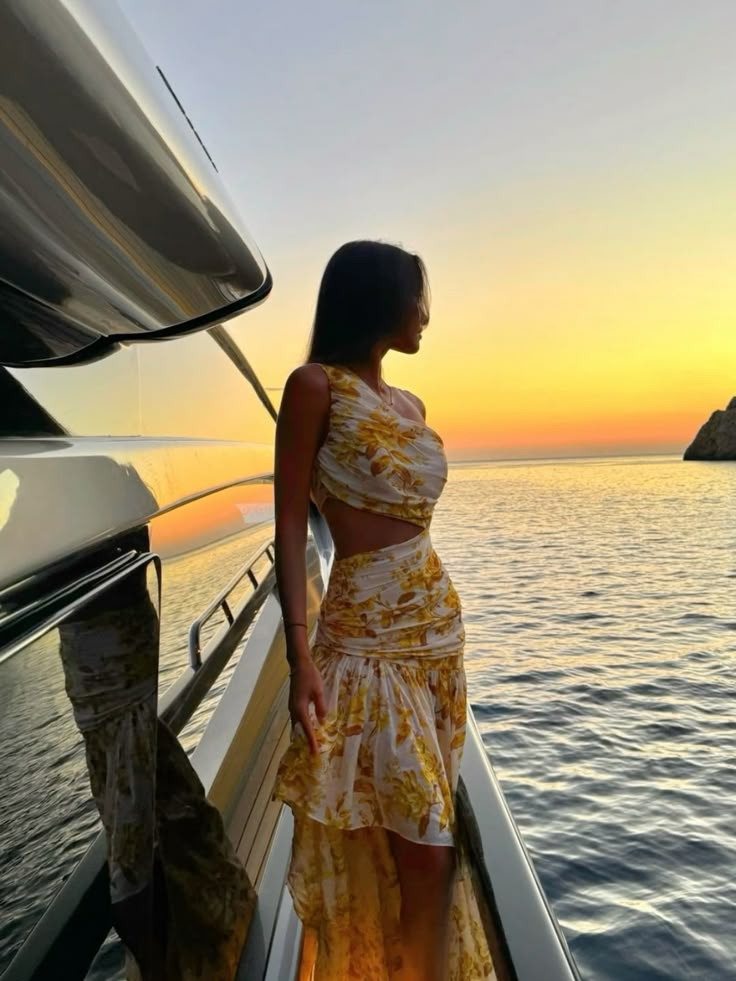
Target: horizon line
(568, 456)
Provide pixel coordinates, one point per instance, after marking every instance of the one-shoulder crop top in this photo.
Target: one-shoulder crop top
(375, 459)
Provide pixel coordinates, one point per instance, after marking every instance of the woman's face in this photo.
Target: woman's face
(408, 337)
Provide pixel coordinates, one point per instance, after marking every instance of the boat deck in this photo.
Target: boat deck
(253, 821)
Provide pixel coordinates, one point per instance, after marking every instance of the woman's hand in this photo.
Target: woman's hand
(306, 689)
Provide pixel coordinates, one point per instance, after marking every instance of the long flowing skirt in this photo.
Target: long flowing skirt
(389, 646)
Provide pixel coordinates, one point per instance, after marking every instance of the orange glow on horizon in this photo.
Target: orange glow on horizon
(595, 324)
(665, 433)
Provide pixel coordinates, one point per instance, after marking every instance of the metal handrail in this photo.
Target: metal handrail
(69, 599)
(181, 700)
(221, 602)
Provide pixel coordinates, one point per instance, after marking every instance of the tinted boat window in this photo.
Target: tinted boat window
(47, 817)
(186, 388)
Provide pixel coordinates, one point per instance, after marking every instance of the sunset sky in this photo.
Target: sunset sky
(564, 168)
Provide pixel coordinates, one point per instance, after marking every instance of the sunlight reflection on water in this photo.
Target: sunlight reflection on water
(601, 659)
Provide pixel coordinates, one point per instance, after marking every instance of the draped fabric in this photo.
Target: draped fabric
(374, 458)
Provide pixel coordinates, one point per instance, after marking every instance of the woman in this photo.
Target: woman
(378, 700)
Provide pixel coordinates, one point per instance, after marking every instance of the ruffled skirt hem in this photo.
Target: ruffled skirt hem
(345, 890)
(388, 749)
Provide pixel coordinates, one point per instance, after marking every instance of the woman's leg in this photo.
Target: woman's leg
(426, 874)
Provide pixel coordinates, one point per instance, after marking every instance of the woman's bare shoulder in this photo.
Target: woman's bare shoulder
(305, 405)
(416, 400)
(307, 381)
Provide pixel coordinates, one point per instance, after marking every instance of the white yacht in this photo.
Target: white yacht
(136, 446)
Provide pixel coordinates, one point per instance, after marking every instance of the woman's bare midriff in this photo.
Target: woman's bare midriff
(355, 530)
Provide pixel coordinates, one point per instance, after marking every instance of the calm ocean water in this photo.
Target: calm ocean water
(600, 607)
(599, 600)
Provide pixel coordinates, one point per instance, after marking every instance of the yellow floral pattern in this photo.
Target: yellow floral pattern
(396, 712)
(389, 646)
(375, 458)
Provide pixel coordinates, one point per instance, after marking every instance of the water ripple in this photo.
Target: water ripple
(606, 701)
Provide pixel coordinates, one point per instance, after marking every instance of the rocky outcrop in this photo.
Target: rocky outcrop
(716, 439)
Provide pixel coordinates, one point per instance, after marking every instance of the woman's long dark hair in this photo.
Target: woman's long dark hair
(368, 290)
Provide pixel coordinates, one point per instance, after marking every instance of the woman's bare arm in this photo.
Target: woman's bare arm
(300, 430)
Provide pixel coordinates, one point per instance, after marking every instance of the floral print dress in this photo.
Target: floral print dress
(389, 646)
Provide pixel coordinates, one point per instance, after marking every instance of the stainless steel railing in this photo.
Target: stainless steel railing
(221, 602)
(183, 698)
